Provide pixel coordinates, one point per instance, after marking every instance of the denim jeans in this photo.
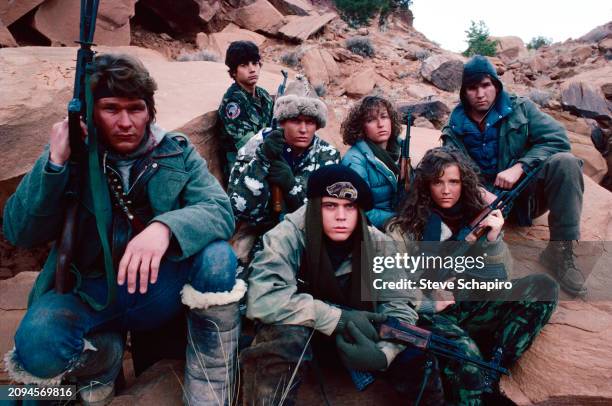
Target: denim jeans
(50, 338)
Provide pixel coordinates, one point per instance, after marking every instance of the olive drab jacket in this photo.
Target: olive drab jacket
(182, 194)
(525, 135)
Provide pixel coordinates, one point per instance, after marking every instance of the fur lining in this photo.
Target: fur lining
(291, 106)
(19, 374)
(198, 300)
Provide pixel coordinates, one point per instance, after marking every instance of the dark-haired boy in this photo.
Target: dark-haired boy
(246, 108)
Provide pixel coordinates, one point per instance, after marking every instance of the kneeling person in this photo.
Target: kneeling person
(166, 217)
(309, 279)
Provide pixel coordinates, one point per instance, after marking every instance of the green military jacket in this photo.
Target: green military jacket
(527, 135)
(248, 188)
(242, 116)
(272, 297)
(182, 193)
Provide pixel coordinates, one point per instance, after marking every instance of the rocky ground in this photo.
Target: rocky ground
(572, 81)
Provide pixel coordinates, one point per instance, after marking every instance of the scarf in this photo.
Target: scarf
(317, 269)
(452, 217)
(390, 156)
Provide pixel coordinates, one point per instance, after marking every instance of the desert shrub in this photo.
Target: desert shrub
(539, 41)
(202, 55)
(540, 97)
(359, 12)
(320, 89)
(361, 46)
(290, 59)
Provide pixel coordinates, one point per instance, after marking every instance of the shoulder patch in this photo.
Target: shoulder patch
(232, 110)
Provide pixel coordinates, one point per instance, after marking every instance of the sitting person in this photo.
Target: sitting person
(309, 285)
(445, 196)
(505, 136)
(151, 228)
(371, 129)
(283, 159)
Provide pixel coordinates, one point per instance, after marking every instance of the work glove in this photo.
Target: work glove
(280, 174)
(362, 354)
(362, 320)
(272, 146)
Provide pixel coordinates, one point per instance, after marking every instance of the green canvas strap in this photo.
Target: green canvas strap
(101, 201)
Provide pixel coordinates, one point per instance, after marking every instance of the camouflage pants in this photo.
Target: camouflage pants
(480, 327)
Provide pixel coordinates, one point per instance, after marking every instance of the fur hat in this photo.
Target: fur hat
(300, 99)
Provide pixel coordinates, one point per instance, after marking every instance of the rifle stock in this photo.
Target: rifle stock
(405, 173)
(277, 193)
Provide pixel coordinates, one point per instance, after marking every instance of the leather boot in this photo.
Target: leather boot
(559, 258)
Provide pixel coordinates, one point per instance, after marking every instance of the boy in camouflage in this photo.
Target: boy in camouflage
(445, 196)
(246, 108)
(282, 158)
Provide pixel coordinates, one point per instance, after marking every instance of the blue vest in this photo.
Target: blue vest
(482, 145)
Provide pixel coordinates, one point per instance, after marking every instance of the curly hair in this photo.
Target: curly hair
(416, 209)
(124, 76)
(352, 126)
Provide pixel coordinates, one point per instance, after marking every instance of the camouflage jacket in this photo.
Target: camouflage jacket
(242, 116)
(248, 188)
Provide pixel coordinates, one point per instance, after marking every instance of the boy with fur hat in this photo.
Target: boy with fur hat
(311, 283)
(246, 108)
(505, 135)
(284, 157)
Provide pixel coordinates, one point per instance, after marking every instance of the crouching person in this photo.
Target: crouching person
(306, 287)
(151, 227)
(445, 197)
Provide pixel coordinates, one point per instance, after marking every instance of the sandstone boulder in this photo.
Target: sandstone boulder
(260, 16)
(499, 65)
(434, 111)
(319, 66)
(510, 48)
(302, 28)
(11, 11)
(13, 304)
(584, 100)
(219, 41)
(420, 91)
(598, 33)
(444, 71)
(361, 83)
(185, 16)
(56, 20)
(295, 7)
(6, 38)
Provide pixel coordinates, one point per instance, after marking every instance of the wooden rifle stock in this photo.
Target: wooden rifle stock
(277, 193)
(405, 173)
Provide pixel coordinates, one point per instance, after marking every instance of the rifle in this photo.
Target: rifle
(503, 202)
(405, 173)
(277, 193)
(401, 332)
(77, 109)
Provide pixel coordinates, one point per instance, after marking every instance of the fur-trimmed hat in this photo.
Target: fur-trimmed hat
(300, 99)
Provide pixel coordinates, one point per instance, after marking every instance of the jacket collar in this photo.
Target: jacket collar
(503, 107)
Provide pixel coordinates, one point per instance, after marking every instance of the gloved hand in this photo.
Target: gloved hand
(363, 354)
(362, 320)
(272, 145)
(280, 174)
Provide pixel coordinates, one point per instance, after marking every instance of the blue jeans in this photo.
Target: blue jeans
(49, 339)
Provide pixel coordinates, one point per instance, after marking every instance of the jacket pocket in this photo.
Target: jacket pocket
(164, 189)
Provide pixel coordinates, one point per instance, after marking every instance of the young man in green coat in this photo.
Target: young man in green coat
(246, 108)
(505, 136)
(167, 220)
(313, 284)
